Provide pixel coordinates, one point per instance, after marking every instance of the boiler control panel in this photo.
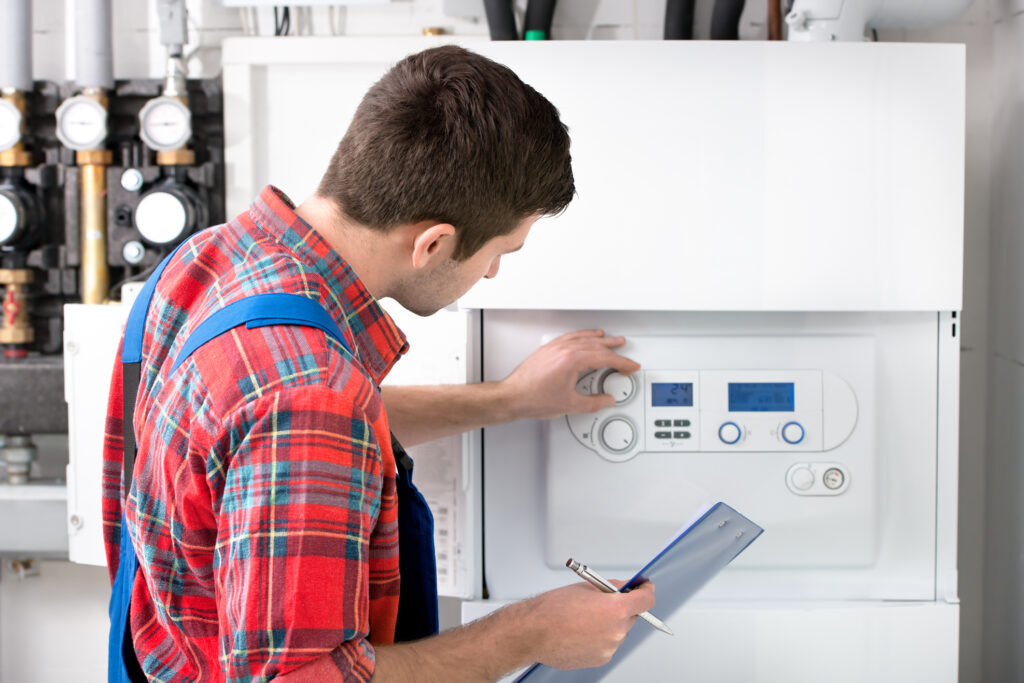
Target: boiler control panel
(714, 410)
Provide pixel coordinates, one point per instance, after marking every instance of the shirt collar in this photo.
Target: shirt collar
(378, 342)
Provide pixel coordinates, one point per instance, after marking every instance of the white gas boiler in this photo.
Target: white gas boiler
(777, 229)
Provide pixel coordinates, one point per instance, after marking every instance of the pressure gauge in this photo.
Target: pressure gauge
(164, 217)
(12, 218)
(82, 123)
(10, 125)
(165, 124)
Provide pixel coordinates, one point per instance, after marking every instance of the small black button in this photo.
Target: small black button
(681, 435)
(662, 435)
(680, 423)
(663, 423)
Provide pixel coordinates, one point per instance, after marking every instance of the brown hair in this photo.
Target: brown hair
(448, 135)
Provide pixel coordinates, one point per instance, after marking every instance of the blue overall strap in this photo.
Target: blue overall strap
(261, 310)
(122, 664)
(417, 561)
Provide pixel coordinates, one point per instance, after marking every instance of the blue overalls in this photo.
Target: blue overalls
(417, 604)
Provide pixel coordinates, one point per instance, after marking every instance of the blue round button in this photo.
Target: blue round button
(792, 433)
(730, 433)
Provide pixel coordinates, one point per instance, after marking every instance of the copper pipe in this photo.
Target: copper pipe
(93, 222)
(774, 19)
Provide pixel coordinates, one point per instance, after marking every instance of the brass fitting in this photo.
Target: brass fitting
(16, 328)
(176, 157)
(17, 155)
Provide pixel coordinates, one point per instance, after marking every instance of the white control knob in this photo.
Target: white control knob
(802, 478)
(730, 433)
(792, 433)
(618, 434)
(618, 385)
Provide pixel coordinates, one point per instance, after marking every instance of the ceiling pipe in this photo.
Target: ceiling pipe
(94, 64)
(16, 46)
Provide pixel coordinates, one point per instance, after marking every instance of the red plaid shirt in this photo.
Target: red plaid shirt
(263, 508)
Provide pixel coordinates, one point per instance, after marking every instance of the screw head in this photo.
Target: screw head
(133, 252)
(132, 180)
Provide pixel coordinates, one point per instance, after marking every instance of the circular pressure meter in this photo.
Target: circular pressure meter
(10, 125)
(81, 123)
(165, 124)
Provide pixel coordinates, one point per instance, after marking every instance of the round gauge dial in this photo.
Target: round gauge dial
(10, 125)
(165, 124)
(81, 123)
(162, 218)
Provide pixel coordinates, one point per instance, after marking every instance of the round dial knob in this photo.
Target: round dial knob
(618, 434)
(81, 123)
(792, 432)
(618, 385)
(730, 433)
(163, 217)
(802, 478)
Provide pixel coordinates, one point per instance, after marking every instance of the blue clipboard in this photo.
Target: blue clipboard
(689, 560)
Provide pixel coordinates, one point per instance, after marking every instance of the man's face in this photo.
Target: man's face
(429, 291)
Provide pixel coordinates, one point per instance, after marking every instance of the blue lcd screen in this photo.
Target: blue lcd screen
(672, 394)
(761, 397)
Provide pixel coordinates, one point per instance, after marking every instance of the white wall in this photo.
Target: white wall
(64, 609)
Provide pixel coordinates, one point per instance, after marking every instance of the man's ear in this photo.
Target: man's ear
(435, 242)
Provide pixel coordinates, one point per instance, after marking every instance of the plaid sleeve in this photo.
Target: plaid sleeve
(113, 459)
(301, 494)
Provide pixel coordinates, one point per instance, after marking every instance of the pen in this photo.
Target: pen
(595, 580)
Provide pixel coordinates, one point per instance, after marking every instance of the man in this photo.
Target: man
(262, 507)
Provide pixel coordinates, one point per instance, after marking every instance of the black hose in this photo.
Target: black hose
(501, 20)
(539, 14)
(679, 19)
(725, 19)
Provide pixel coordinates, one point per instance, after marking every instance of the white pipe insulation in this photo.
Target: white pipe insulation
(94, 65)
(16, 46)
(849, 20)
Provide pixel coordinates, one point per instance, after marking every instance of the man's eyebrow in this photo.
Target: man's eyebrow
(521, 245)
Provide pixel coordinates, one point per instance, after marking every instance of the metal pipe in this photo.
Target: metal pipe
(93, 219)
(725, 19)
(679, 19)
(539, 16)
(774, 19)
(501, 20)
(16, 45)
(94, 66)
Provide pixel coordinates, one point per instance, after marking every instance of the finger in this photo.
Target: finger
(594, 342)
(578, 334)
(591, 404)
(605, 358)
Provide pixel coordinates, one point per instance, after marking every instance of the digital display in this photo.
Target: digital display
(678, 394)
(761, 397)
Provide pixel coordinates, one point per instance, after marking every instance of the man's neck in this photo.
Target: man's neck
(367, 252)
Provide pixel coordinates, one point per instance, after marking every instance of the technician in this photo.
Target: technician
(269, 509)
